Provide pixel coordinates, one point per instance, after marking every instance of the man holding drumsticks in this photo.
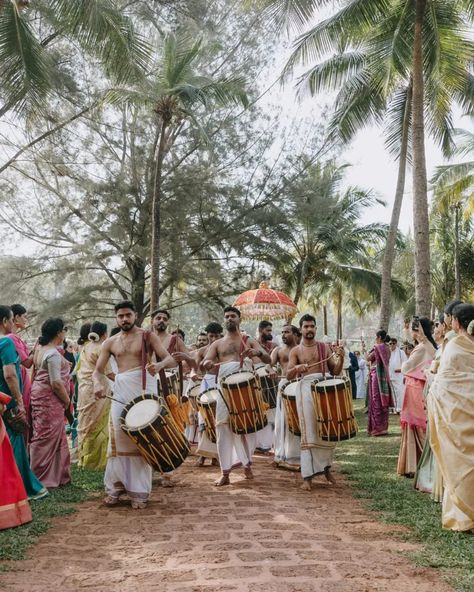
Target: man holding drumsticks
(127, 471)
(229, 354)
(311, 360)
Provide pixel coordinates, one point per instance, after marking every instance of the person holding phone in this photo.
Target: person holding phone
(413, 414)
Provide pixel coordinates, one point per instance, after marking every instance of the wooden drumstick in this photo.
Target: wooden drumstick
(116, 400)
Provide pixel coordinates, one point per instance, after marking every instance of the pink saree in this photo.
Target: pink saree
(49, 451)
(380, 391)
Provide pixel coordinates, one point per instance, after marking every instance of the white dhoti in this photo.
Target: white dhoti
(287, 445)
(316, 454)
(265, 437)
(191, 431)
(205, 447)
(127, 471)
(234, 449)
(397, 383)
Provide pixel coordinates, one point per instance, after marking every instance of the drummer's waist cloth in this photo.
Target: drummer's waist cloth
(306, 405)
(127, 386)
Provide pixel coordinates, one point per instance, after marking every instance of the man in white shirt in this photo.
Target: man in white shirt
(397, 357)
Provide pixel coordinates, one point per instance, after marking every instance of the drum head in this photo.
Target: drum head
(194, 391)
(142, 413)
(209, 397)
(330, 382)
(261, 371)
(290, 390)
(238, 378)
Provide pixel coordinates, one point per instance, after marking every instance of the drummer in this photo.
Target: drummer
(286, 444)
(231, 354)
(265, 337)
(127, 472)
(205, 448)
(312, 360)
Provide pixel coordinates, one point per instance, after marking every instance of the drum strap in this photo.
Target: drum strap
(145, 340)
(171, 350)
(322, 355)
(243, 347)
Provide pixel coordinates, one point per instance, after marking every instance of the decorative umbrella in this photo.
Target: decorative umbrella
(265, 304)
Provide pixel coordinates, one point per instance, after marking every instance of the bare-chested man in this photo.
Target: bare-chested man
(234, 450)
(160, 320)
(265, 337)
(311, 360)
(205, 448)
(127, 471)
(286, 444)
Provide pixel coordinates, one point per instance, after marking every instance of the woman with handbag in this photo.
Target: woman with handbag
(49, 451)
(15, 415)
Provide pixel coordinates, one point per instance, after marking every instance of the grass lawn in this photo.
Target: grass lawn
(15, 541)
(370, 463)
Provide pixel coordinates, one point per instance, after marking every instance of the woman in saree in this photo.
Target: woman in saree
(451, 416)
(20, 322)
(15, 415)
(413, 414)
(49, 450)
(380, 397)
(428, 478)
(14, 507)
(93, 414)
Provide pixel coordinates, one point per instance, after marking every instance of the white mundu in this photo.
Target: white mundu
(316, 454)
(206, 448)
(126, 470)
(287, 444)
(233, 449)
(397, 358)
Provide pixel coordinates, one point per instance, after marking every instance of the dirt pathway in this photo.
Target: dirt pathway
(260, 536)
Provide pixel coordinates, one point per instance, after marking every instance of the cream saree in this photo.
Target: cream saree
(451, 417)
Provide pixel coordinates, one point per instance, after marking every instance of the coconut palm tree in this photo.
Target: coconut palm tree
(323, 248)
(178, 94)
(29, 30)
(453, 193)
(386, 50)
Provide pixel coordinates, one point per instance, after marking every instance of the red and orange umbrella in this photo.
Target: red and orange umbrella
(265, 304)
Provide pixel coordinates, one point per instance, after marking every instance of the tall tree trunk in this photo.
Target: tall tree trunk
(457, 270)
(136, 268)
(325, 320)
(156, 221)
(389, 253)
(339, 313)
(421, 224)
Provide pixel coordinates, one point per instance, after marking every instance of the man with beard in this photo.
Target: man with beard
(205, 448)
(160, 320)
(312, 360)
(127, 471)
(286, 444)
(265, 337)
(232, 353)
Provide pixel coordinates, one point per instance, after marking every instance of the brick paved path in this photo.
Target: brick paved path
(260, 536)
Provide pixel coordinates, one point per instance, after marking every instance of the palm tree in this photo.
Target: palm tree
(453, 192)
(177, 94)
(378, 50)
(30, 69)
(323, 248)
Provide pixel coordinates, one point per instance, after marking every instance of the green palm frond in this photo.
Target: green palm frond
(104, 31)
(288, 14)
(25, 65)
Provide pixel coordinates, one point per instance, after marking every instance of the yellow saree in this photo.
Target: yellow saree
(451, 416)
(93, 415)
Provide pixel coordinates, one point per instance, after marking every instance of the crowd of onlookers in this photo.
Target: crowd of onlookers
(430, 384)
(426, 376)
